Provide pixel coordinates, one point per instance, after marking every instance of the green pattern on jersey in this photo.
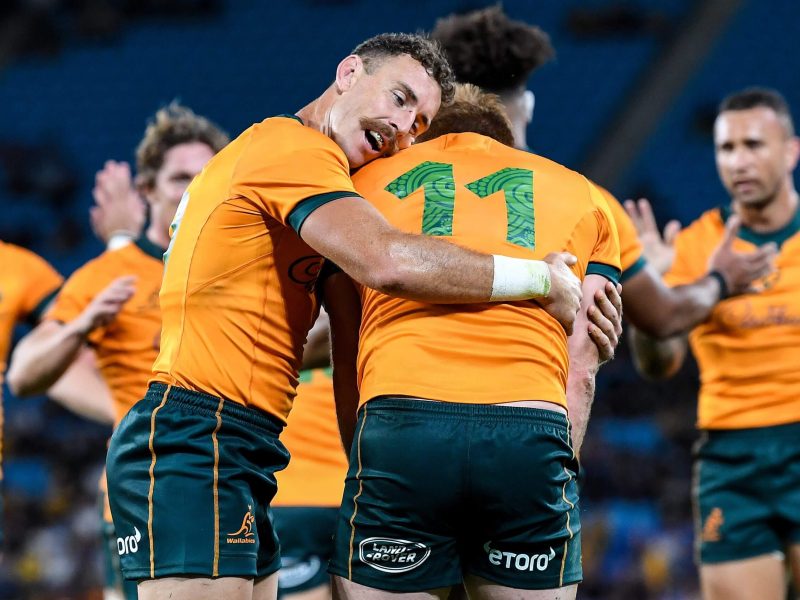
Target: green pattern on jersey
(440, 192)
(517, 185)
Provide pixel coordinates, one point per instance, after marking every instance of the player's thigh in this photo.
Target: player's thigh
(266, 588)
(321, 592)
(762, 577)
(525, 531)
(344, 589)
(196, 588)
(479, 588)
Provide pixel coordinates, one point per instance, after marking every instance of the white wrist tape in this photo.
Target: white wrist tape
(519, 278)
(119, 239)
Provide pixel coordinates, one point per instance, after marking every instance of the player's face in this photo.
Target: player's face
(754, 154)
(181, 164)
(381, 112)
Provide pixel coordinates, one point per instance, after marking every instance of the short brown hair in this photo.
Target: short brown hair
(425, 51)
(754, 97)
(173, 125)
(488, 49)
(472, 111)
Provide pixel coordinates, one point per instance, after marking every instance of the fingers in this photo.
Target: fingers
(641, 213)
(732, 226)
(671, 231)
(606, 325)
(605, 349)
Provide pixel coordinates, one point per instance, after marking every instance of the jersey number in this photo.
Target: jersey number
(439, 187)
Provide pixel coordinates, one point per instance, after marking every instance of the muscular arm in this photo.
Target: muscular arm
(343, 305)
(661, 311)
(584, 360)
(43, 356)
(657, 359)
(83, 390)
(354, 235)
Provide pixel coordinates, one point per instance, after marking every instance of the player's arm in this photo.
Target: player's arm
(584, 361)
(657, 359)
(83, 391)
(343, 305)
(44, 355)
(317, 350)
(354, 235)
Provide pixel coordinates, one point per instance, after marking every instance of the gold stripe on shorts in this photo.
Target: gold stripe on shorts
(355, 498)
(153, 482)
(215, 568)
(571, 507)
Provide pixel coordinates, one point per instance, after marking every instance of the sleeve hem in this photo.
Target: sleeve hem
(607, 271)
(305, 207)
(633, 269)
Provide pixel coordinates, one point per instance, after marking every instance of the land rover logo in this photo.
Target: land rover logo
(392, 556)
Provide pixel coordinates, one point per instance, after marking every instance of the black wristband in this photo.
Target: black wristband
(723, 285)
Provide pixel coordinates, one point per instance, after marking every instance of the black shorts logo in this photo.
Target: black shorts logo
(392, 556)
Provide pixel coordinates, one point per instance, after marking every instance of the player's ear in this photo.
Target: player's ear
(792, 152)
(530, 102)
(348, 71)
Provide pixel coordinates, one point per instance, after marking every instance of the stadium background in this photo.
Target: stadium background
(629, 99)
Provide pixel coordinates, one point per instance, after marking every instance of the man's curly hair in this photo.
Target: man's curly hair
(425, 51)
(173, 125)
(487, 48)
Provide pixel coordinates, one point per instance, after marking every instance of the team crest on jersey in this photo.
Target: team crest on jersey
(392, 556)
(305, 271)
(245, 534)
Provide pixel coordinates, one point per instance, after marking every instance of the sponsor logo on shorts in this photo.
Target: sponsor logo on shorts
(244, 535)
(712, 525)
(392, 556)
(519, 561)
(295, 573)
(129, 544)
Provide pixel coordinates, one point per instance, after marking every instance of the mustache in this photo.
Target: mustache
(387, 132)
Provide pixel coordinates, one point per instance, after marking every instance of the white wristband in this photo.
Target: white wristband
(119, 239)
(519, 278)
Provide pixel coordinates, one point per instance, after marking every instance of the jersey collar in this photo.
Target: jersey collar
(150, 248)
(759, 239)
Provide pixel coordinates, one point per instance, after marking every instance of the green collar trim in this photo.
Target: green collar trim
(291, 116)
(150, 248)
(759, 239)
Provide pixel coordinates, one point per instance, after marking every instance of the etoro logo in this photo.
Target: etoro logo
(392, 556)
(519, 562)
(129, 544)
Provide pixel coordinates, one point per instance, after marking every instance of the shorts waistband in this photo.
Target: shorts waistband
(788, 430)
(209, 404)
(460, 409)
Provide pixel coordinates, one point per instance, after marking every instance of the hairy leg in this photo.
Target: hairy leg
(344, 589)
(479, 588)
(196, 588)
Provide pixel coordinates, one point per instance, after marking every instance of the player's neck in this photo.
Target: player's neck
(771, 216)
(157, 236)
(316, 113)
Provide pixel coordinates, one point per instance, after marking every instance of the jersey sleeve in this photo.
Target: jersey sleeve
(686, 268)
(42, 284)
(79, 290)
(631, 257)
(294, 176)
(605, 256)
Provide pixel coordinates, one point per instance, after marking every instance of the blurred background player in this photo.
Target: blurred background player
(433, 495)
(747, 473)
(109, 307)
(487, 48)
(27, 285)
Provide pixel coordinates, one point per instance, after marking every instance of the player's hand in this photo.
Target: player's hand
(605, 320)
(564, 299)
(741, 269)
(103, 309)
(118, 206)
(659, 250)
